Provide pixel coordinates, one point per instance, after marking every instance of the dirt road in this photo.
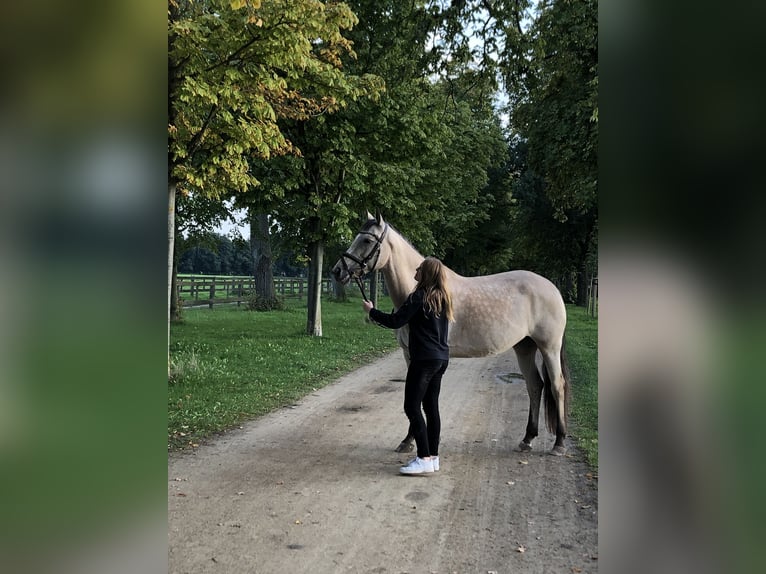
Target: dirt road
(315, 487)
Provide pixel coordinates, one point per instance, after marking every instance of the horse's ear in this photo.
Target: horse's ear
(378, 217)
(369, 215)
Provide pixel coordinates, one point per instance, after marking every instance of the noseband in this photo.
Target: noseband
(374, 252)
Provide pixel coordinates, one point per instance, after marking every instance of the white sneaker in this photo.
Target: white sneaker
(418, 466)
(435, 460)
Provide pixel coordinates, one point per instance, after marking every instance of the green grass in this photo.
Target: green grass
(229, 365)
(582, 352)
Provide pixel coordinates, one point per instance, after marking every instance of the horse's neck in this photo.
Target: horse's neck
(399, 270)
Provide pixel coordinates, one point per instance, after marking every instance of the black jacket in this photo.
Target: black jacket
(428, 333)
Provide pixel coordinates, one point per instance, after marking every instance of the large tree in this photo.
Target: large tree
(234, 68)
(420, 152)
(558, 116)
(558, 120)
(545, 55)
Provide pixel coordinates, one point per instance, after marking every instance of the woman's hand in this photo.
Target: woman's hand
(367, 306)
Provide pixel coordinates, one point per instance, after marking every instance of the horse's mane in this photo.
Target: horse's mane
(370, 223)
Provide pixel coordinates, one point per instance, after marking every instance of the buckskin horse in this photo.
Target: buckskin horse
(493, 313)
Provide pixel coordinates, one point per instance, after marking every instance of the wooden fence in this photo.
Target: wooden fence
(216, 289)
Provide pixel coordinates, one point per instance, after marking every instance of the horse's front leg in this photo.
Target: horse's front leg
(408, 444)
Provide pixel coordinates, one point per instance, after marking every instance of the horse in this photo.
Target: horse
(492, 313)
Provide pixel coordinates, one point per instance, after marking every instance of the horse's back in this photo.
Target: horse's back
(495, 312)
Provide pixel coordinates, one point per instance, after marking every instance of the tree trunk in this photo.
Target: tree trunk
(171, 250)
(175, 301)
(316, 256)
(260, 243)
(339, 291)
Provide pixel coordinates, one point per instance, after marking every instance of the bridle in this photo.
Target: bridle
(374, 252)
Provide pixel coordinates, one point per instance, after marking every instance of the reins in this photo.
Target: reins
(361, 287)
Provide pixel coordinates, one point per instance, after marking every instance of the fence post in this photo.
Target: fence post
(212, 293)
(592, 296)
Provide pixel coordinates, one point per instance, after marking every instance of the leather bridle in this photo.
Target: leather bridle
(363, 262)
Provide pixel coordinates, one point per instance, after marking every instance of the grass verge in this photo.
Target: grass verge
(582, 352)
(229, 365)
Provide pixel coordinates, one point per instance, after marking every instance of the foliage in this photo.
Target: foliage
(542, 213)
(420, 152)
(197, 214)
(213, 254)
(546, 53)
(235, 68)
(542, 242)
(559, 115)
(487, 247)
(258, 303)
(430, 150)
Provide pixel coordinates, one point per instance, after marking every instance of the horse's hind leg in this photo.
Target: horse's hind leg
(525, 353)
(556, 397)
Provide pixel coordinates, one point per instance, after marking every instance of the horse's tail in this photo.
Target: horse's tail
(551, 406)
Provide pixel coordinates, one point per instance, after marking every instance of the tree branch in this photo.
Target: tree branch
(197, 139)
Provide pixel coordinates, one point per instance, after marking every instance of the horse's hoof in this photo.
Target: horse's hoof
(558, 451)
(524, 446)
(405, 447)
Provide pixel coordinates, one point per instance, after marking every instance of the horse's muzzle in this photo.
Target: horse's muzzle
(341, 274)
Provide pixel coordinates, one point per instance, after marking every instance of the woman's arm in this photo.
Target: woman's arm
(401, 316)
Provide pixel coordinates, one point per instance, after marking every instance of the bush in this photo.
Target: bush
(258, 303)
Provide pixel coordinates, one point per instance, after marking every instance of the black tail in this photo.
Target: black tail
(551, 407)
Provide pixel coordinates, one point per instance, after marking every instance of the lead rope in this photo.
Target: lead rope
(361, 287)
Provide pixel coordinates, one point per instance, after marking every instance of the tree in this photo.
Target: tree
(260, 242)
(559, 122)
(326, 188)
(419, 152)
(234, 68)
(559, 117)
(196, 215)
(487, 247)
(243, 257)
(547, 59)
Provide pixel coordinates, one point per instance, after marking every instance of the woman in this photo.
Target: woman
(428, 311)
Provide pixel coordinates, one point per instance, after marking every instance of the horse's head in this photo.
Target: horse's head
(364, 252)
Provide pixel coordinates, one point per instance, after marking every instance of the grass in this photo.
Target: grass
(229, 365)
(582, 352)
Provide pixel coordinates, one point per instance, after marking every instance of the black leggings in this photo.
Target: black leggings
(424, 381)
